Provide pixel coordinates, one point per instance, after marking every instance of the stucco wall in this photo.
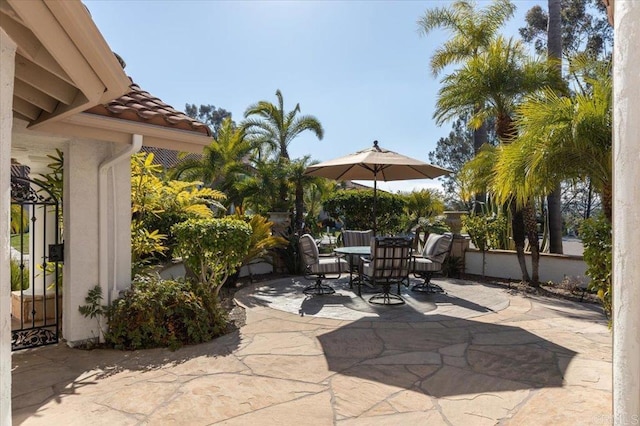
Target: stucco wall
(626, 216)
(81, 231)
(7, 55)
(81, 161)
(504, 264)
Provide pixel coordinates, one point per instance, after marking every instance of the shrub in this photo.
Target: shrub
(486, 231)
(212, 249)
(596, 238)
(356, 207)
(156, 204)
(261, 243)
(164, 313)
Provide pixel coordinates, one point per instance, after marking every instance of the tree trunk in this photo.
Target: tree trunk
(554, 52)
(554, 207)
(531, 228)
(587, 213)
(607, 202)
(517, 226)
(299, 219)
(479, 139)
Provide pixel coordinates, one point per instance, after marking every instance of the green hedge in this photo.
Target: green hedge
(355, 207)
(597, 241)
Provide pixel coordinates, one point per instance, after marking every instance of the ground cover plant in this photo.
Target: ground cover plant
(164, 313)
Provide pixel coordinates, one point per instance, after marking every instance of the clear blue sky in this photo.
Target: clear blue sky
(360, 67)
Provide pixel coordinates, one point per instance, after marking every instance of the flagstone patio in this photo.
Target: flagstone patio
(477, 355)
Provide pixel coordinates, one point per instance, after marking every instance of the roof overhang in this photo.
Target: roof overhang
(96, 127)
(63, 65)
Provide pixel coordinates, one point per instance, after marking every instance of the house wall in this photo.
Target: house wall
(504, 264)
(82, 234)
(7, 68)
(122, 226)
(626, 216)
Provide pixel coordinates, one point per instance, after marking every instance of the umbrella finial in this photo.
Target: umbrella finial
(375, 145)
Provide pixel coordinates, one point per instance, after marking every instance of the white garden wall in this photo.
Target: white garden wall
(504, 264)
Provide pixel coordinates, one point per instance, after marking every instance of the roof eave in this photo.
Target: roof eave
(67, 32)
(110, 129)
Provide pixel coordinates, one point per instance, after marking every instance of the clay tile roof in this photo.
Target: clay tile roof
(139, 105)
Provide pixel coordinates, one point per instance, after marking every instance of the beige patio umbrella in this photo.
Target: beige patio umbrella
(375, 164)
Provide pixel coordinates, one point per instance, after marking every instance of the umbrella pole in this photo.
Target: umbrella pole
(375, 196)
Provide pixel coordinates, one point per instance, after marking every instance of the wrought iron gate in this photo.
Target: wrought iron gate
(35, 277)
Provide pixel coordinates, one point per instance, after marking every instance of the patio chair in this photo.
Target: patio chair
(351, 238)
(389, 263)
(430, 261)
(318, 267)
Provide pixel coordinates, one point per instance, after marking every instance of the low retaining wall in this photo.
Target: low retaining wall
(256, 268)
(504, 264)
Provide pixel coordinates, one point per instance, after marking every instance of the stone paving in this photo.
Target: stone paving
(477, 355)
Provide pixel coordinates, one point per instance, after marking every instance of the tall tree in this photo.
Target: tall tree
(498, 79)
(584, 28)
(554, 54)
(564, 137)
(471, 32)
(300, 181)
(269, 125)
(209, 115)
(224, 162)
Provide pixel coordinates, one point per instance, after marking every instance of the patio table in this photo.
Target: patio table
(352, 252)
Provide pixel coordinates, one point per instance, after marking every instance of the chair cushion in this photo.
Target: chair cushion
(330, 265)
(309, 249)
(437, 247)
(422, 264)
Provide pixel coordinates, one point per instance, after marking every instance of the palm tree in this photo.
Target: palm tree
(271, 127)
(563, 137)
(314, 195)
(472, 32)
(425, 203)
(277, 128)
(554, 53)
(497, 80)
(224, 163)
(300, 181)
(260, 190)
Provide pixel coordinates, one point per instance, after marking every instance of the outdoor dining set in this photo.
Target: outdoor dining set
(375, 261)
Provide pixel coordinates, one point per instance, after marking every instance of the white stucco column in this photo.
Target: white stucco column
(80, 271)
(7, 68)
(82, 159)
(626, 215)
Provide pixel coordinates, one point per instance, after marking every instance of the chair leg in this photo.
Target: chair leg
(318, 288)
(426, 286)
(386, 297)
